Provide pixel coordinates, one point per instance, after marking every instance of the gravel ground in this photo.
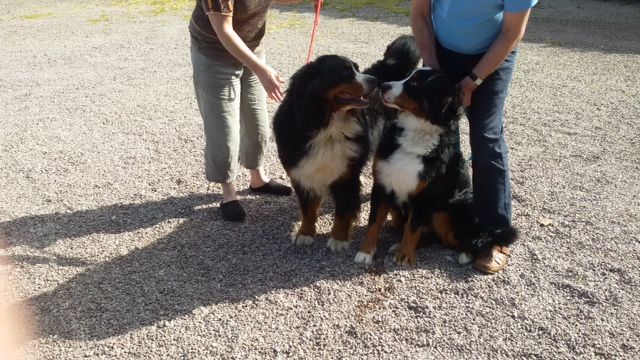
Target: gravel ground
(116, 247)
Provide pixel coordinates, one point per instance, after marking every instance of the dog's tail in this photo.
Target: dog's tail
(486, 240)
(400, 59)
(474, 238)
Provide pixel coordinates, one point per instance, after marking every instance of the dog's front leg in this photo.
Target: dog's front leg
(309, 206)
(346, 195)
(406, 253)
(377, 216)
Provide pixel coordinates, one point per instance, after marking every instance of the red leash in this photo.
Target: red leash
(316, 23)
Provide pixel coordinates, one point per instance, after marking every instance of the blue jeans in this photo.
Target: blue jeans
(489, 151)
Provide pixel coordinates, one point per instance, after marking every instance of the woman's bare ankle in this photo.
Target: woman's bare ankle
(228, 192)
(258, 178)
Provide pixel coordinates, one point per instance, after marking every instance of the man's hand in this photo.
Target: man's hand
(468, 87)
(272, 82)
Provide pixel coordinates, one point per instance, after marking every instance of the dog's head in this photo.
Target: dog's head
(335, 81)
(428, 94)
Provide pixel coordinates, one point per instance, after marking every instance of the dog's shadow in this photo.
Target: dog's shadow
(203, 261)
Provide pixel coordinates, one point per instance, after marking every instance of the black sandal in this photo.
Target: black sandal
(232, 211)
(272, 187)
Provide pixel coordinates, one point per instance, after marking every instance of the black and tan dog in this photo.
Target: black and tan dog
(326, 129)
(419, 176)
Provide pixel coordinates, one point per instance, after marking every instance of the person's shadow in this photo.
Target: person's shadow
(41, 231)
(203, 261)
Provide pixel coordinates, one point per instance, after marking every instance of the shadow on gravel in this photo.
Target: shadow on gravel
(204, 261)
(43, 260)
(372, 14)
(603, 26)
(40, 231)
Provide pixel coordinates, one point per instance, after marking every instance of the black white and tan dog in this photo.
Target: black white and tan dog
(419, 176)
(325, 130)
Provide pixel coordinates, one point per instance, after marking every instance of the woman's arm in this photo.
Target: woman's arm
(422, 27)
(223, 26)
(513, 29)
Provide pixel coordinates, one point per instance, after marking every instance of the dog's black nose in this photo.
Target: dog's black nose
(385, 87)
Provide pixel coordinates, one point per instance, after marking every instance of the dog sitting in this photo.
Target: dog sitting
(326, 129)
(419, 176)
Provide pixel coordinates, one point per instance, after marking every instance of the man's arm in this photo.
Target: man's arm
(513, 29)
(422, 27)
(223, 26)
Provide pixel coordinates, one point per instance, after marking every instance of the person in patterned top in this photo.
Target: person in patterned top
(232, 82)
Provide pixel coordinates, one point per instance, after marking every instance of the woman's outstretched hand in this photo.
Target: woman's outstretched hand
(272, 82)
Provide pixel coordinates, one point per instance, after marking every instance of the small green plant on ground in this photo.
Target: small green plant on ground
(104, 18)
(36, 16)
(552, 42)
(156, 7)
(284, 22)
(400, 7)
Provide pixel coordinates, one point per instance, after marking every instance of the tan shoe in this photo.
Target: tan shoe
(494, 260)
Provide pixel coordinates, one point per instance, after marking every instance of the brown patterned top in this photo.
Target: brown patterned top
(249, 20)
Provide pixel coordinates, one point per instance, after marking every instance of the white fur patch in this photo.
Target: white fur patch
(364, 258)
(301, 240)
(393, 248)
(390, 95)
(329, 154)
(419, 135)
(337, 245)
(400, 172)
(361, 78)
(464, 258)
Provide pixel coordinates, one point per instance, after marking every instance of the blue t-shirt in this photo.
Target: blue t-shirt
(470, 27)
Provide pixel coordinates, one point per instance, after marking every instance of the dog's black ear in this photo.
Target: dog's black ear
(302, 80)
(305, 96)
(453, 108)
(444, 99)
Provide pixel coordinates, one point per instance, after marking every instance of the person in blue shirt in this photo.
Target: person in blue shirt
(475, 43)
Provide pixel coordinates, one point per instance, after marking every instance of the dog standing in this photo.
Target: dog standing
(326, 129)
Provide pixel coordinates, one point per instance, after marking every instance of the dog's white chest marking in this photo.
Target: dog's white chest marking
(400, 172)
(329, 154)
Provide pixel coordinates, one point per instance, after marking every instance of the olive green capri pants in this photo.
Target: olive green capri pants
(233, 105)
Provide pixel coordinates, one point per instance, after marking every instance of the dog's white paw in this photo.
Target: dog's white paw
(302, 240)
(393, 248)
(337, 245)
(464, 258)
(364, 258)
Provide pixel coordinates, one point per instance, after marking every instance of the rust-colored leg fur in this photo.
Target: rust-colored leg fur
(443, 227)
(406, 253)
(373, 232)
(309, 217)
